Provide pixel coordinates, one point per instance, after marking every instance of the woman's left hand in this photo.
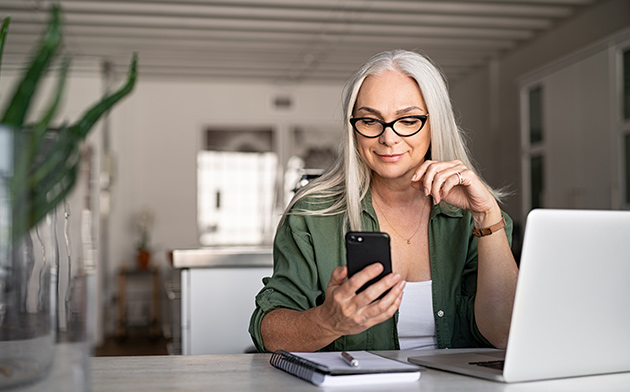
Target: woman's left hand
(455, 184)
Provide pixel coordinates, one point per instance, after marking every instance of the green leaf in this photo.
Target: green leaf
(88, 120)
(44, 123)
(38, 192)
(32, 210)
(33, 140)
(46, 172)
(3, 33)
(55, 164)
(15, 113)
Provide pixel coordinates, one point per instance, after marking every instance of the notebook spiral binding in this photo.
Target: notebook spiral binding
(299, 367)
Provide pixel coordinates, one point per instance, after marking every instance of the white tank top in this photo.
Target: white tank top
(416, 325)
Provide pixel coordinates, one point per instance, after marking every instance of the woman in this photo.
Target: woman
(404, 170)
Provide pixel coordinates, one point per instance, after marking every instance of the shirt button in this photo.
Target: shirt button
(440, 313)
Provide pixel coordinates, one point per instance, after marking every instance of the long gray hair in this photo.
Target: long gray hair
(345, 184)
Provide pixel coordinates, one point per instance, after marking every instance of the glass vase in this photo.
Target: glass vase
(46, 286)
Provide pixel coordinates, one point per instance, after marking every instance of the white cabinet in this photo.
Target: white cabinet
(217, 294)
(216, 306)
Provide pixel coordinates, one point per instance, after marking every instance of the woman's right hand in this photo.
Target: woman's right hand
(347, 313)
(344, 312)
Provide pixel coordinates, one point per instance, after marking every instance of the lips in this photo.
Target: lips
(390, 157)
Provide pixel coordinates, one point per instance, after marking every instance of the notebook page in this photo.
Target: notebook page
(368, 362)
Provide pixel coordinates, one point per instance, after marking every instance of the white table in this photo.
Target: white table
(252, 372)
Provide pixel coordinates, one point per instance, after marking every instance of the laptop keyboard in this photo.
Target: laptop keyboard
(490, 364)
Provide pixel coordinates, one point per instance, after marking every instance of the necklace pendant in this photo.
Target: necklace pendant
(409, 242)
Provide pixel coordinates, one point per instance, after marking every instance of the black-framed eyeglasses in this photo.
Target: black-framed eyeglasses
(403, 127)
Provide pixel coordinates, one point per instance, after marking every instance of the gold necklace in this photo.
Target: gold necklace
(392, 226)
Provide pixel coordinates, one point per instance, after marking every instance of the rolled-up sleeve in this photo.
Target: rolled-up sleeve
(295, 283)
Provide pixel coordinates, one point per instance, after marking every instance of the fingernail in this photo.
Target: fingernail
(426, 191)
(415, 176)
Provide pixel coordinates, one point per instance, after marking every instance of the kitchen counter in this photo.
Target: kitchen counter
(219, 257)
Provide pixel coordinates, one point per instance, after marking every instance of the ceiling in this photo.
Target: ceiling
(283, 41)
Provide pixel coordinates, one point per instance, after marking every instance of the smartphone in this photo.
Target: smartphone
(365, 248)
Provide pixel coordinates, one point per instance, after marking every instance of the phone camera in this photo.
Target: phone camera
(354, 238)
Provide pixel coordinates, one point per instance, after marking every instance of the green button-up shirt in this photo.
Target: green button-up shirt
(307, 248)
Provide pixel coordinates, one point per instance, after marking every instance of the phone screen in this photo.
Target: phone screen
(365, 248)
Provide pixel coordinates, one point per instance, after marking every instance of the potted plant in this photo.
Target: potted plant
(38, 169)
(144, 223)
(44, 175)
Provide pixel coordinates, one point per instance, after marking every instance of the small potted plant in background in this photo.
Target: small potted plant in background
(144, 223)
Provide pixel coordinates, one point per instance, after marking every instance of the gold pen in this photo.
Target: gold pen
(350, 359)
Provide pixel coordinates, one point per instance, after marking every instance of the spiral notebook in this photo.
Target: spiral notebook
(326, 369)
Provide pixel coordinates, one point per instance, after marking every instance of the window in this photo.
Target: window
(246, 177)
(535, 115)
(532, 142)
(626, 167)
(625, 125)
(537, 180)
(536, 169)
(236, 187)
(626, 84)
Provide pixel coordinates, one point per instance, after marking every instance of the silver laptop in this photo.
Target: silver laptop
(571, 313)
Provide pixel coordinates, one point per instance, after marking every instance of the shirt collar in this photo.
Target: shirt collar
(446, 209)
(368, 208)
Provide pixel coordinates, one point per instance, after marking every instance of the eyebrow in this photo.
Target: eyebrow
(398, 112)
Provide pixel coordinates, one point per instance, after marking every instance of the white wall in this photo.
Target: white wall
(489, 99)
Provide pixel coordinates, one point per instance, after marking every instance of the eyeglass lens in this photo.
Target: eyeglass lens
(404, 126)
